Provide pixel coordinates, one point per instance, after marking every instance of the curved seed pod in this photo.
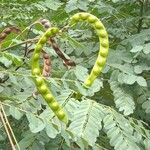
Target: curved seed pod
(46, 60)
(39, 81)
(46, 70)
(104, 44)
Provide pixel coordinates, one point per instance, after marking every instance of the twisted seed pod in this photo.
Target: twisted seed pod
(47, 65)
(52, 42)
(45, 23)
(104, 44)
(7, 31)
(39, 81)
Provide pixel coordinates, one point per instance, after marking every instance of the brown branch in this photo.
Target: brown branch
(9, 127)
(6, 128)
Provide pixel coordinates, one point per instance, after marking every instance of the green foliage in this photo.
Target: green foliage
(86, 122)
(8, 58)
(123, 100)
(114, 113)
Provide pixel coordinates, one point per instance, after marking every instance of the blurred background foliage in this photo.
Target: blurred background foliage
(114, 113)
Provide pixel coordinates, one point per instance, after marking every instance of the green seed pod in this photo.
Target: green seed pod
(92, 19)
(43, 40)
(54, 106)
(83, 16)
(40, 83)
(76, 17)
(96, 70)
(104, 44)
(48, 33)
(87, 83)
(38, 47)
(54, 30)
(43, 89)
(101, 61)
(39, 80)
(36, 71)
(36, 57)
(61, 114)
(49, 98)
(98, 25)
(102, 33)
(103, 52)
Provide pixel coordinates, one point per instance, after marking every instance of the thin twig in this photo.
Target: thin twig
(24, 42)
(10, 129)
(6, 129)
(22, 33)
(26, 46)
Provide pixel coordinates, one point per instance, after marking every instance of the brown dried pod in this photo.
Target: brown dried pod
(7, 30)
(52, 42)
(43, 21)
(45, 56)
(70, 63)
(3, 35)
(45, 74)
(47, 69)
(47, 65)
(47, 62)
(47, 25)
(13, 29)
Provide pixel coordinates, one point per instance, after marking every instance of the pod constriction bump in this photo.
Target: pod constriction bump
(39, 80)
(104, 44)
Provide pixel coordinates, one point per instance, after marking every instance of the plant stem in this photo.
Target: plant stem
(141, 16)
(6, 129)
(24, 42)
